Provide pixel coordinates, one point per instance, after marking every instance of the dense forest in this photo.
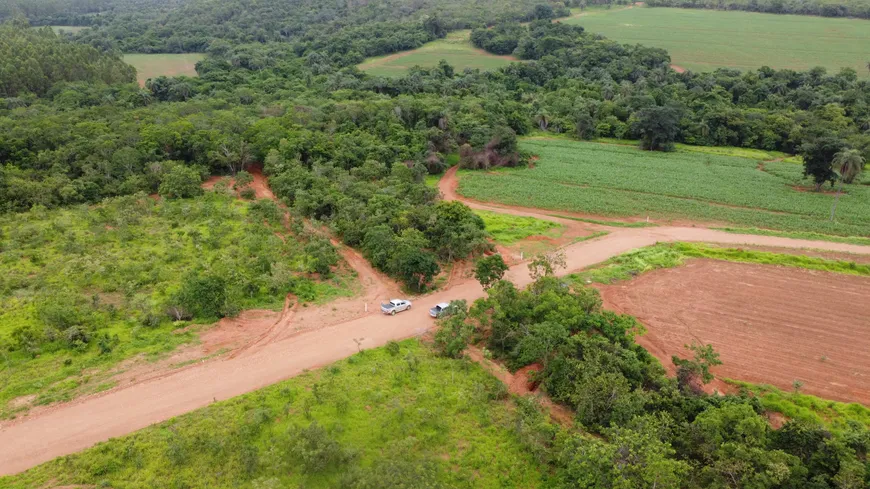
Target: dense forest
(34, 60)
(825, 8)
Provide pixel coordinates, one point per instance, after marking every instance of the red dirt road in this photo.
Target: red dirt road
(74, 426)
(769, 324)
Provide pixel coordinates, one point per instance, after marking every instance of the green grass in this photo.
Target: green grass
(83, 288)
(622, 181)
(396, 419)
(154, 65)
(455, 48)
(507, 230)
(794, 405)
(811, 236)
(72, 29)
(432, 180)
(669, 255)
(702, 40)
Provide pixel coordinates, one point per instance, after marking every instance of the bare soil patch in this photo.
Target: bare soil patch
(770, 324)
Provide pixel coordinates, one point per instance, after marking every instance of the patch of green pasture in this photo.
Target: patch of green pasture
(702, 40)
(669, 255)
(456, 49)
(389, 419)
(621, 181)
(794, 405)
(432, 180)
(154, 65)
(72, 29)
(507, 229)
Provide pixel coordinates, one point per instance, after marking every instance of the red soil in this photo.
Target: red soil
(770, 324)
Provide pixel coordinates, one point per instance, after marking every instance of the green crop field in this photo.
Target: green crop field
(703, 40)
(82, 289)
(612, 180)
(154, 65)
(391, 417)
(455, 48)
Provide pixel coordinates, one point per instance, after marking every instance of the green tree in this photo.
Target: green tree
(243, 179)
(546, 264)
(180, 182)
(692, 373)
(658, 127)
(489, 269)
(818, 156)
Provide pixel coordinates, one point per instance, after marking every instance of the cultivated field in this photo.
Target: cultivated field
(770, 324)
(154, 65)
(455, 48)
(703, 40)
(623, 181)
(377, 419)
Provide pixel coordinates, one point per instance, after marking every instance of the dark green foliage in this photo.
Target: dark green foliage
(315, 450)
(818, 156)
(692, 373)
(322, 256)
(489, 269)
(180, 182)
(454, 332)
(35, 60)
(658, 128)
(847, 8)
(202, 294)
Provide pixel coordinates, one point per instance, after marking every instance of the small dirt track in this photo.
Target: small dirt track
(77, 425)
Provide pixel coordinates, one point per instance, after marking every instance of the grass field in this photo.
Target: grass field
(702, 40)
(612, 180)
(84, 288)
(390, 417)
(72, 29)
(455, 48)
(154, 65)
(507, 230)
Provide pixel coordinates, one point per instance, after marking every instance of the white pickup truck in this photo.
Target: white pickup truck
(394, 306)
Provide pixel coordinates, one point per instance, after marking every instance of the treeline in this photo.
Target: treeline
(347, 31)
(34, 60)
(824, 8)
(637, 427)
(592, 87)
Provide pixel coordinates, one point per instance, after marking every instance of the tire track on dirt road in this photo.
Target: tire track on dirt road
(78, 425)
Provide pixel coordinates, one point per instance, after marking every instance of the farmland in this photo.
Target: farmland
(72, 29)
(85, 288)
(702, 40)
(612, 180)
(381, 418)
(456, 49)
(762, 334)
(154, 65)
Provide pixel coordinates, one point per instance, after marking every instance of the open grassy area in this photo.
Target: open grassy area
(614, 180)
(507, 230)
(154, 65)
(83, 288)
(794, 405)
(668, 255)
(702, 40)
(72, 29)
(455, 48)
(388, 417)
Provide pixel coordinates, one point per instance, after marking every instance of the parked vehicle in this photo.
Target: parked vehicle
(394, 306)
(439, 309)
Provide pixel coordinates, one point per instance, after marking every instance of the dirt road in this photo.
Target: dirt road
(80, 424)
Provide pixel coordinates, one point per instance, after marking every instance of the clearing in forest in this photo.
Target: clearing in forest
(154, 65)
(703, 40)
(770, 324)
(623, 181)
(456, 49)
(72, 29)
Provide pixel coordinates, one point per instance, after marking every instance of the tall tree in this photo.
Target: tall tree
(818, 156)
(849, 164)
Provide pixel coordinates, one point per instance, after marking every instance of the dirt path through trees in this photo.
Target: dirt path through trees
(74, 426)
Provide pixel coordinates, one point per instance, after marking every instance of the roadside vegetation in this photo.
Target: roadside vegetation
(507, 229)
(704, 40)
(84, 288)
(622, 181)
(397, 416)
(669, 255)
